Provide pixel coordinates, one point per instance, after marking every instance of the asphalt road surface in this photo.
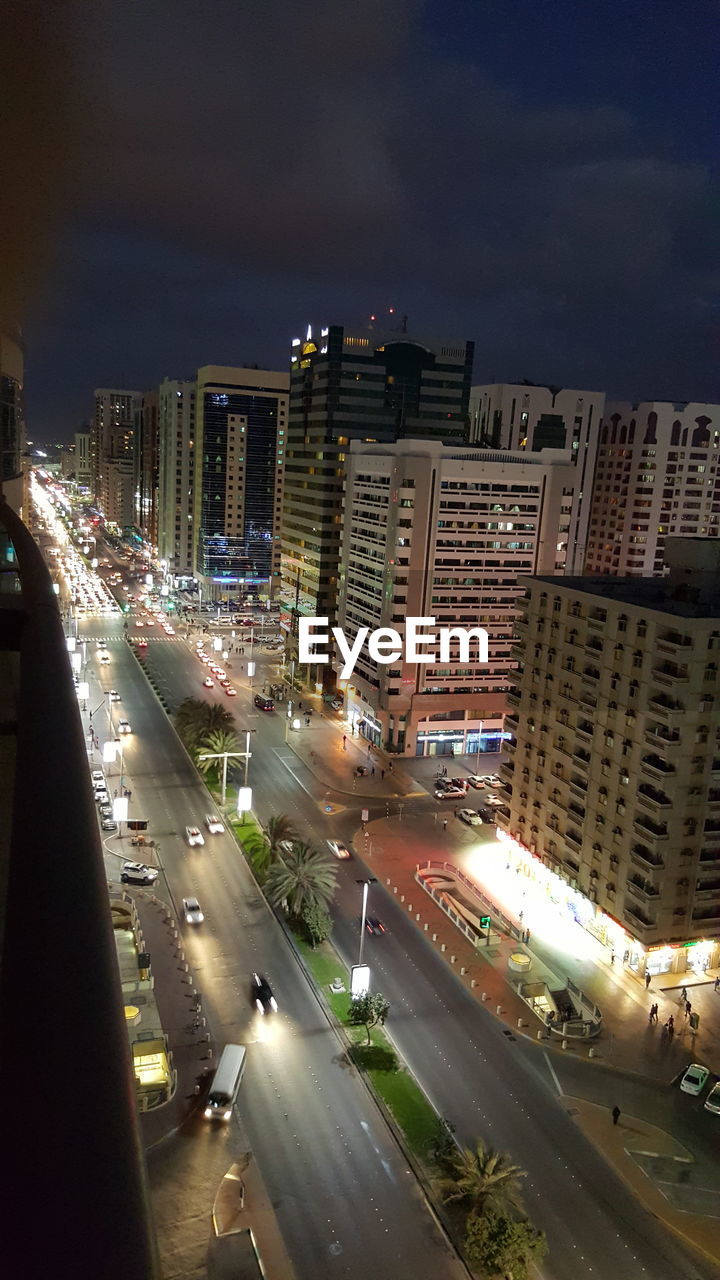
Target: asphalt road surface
(484, 1081)
(345, 1199)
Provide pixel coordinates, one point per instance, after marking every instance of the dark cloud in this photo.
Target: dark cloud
(245, 168)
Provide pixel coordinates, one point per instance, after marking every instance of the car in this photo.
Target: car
(106, 811)
(208, 683)
(487, 815)
(488, 779)
(98, 778)
(100, 645)
(101, 795)
(494, 781)
(476, 780)
(142, 644)
(337, 704)
(695, 1079)
(712, 1102)
(472, 818)
(170, 631)
(225, 684)
(124, 726)
(194, 836)
(231, 693)
(449, 793)
(373, 925)
(104, 656)
(213, 824)
(218, 671)
(262, 994)
(138, 873)
(192, 911)
(494, 801)
(459, 782)
(263, 703)
(339, 849)
(108, 824)
(114, 696)
(139, 622)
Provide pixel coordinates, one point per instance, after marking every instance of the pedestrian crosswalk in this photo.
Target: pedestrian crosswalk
(107, 639)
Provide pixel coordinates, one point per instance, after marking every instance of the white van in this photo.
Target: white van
(226, 1082)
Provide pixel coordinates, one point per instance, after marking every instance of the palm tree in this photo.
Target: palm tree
(194, 719)
(217, 743)
(280, 830)
(483, 1179)
(303, 876)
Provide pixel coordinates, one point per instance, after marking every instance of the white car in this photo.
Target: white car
(339, 849)
(138, 873)
(476, 780)
(213, 824)
(194, 836)
(104, 656)
(113, 695)
(493, 781)
(192, 911)
(472, 818)
(712, 1102)
(124, 726)
(101, 795)
(449, 793)
(695, 1079)
(98, 778)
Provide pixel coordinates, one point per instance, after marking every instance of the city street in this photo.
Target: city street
(487, 1085)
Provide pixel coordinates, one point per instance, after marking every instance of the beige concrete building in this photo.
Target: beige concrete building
(657, 475)
(437, 530)
(613, 781)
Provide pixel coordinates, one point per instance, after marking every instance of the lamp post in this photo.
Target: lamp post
(230, 755)
(366, 885)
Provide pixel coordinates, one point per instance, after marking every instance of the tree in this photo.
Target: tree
(216, 743)
(368, 1010)
(483, 1179)
(280, 830)
(503, 1246)
(258, 852)
(195, 719)
(316, 923)
(302, 876)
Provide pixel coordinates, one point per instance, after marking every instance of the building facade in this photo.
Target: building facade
(527, 416)
(355, 385)
(176, 469)
(433, 530)
(657, 475)
(613, 781)
(112, 453)
(83, 475)
(146, 459)
(12, 424)
(241, 430)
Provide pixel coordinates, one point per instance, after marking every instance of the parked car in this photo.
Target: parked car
(108, 824)
(194, 836)
(138, 873)
(472, 818)
(459, 782)
(192, 911)
(98, 778)
(106, 811)
(712, 1102)
(476, 780)
(695, 1079)
(487, 815)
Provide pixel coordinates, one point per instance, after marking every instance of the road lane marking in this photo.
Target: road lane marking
(551, 1069)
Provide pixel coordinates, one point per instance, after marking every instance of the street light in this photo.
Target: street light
(366, 885)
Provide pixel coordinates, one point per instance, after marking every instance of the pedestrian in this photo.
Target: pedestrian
(612, 957)
(344, 742)
(300, 709)
(671, 1026)
(372, 772)
(307, 721)
(688, 1008)
(717, 983)
(527, 936)
(390, 766)
(651, 1014)
(615, 1113)
(382, 779)
(683, 994)
(444, 824)
(647, 981)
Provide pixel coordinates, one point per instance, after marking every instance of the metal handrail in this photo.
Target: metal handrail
(79, 1188)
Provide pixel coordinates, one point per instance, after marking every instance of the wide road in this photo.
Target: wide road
(476, 1075)
(345, 1200)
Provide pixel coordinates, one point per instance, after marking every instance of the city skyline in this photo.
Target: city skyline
(542, 189)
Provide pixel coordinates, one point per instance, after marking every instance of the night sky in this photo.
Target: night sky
(209, 176)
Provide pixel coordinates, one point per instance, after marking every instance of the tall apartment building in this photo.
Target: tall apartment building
(355, 385)
(529, 416)
(657, 474)
(241, 429)
(146, 461)
(614, 773)
(112, 453)
(434, 530)
(83, 474)
(176, 447)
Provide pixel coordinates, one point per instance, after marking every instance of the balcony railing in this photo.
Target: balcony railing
(652, 798)
(78, 1184)
(656, 767)
(665, 707)
(669, 738)
(644, 826)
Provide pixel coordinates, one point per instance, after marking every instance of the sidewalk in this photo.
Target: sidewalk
(394, 847)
